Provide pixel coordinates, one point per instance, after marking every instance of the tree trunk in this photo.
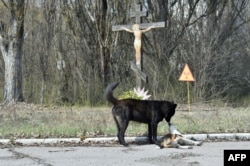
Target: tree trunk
(11, 48)
(12, 55)
(104, 51)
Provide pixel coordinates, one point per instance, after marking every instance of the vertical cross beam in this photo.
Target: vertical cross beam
(138, 13)
(138, 68)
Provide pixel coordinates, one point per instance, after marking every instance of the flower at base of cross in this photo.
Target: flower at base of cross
(137, 93)
(142, 93)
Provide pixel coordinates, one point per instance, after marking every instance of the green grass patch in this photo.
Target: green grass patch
(35, 121)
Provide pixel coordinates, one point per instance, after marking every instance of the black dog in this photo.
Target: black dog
(150, 112)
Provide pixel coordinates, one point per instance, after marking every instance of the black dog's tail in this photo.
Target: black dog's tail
(109, 93)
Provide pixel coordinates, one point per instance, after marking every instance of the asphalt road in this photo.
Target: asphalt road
(210, 153)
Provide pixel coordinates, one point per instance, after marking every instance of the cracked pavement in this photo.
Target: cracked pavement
(210, 153)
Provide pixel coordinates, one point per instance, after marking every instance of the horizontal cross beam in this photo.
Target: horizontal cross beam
(142, 26)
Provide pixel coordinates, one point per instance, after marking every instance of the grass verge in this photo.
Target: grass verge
(35, 121)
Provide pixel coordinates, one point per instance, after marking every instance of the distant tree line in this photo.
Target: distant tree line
(65, 51)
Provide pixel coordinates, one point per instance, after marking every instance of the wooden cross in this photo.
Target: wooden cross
(138, 14)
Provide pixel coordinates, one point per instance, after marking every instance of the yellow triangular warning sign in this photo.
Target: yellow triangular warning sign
(186, 74)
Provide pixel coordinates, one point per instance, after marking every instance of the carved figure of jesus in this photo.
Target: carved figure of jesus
(137, 42)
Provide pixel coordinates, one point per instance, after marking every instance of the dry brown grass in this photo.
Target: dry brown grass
(27, 120)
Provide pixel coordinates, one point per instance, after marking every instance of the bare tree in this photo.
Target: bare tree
(71, 51)
(11, 45)
(213, 49)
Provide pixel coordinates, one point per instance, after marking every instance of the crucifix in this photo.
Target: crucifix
(138, 29)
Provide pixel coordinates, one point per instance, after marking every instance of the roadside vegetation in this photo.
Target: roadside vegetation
(36, 121)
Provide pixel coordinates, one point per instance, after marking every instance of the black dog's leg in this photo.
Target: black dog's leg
(121, 123)
(150, 134)
(121, 134)
(121, 127)
(118, 130)
(154, 132)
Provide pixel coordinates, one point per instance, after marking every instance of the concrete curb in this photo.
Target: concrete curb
(108, 140)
